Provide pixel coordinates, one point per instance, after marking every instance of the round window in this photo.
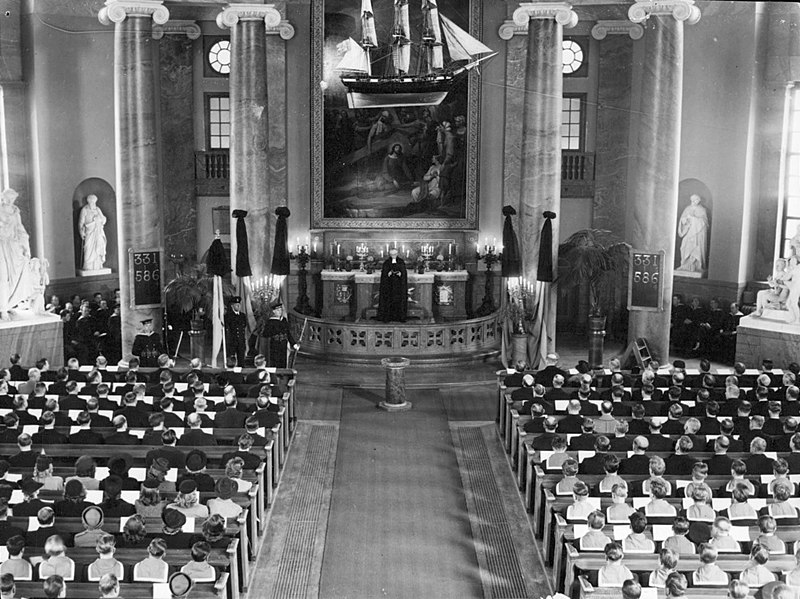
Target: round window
(571, 56)
(219, 57)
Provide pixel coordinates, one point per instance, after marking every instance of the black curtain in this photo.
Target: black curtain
(545, 269)
(280, 254)
(511, 263)
(242, 245)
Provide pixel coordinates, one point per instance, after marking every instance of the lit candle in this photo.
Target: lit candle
(290, 247)
(387, 248)
(395, 244)
(382, 252)
(315, 247)
(449, 248)
(406, 253)
(477, 248)
(338, 249)
(298, 241)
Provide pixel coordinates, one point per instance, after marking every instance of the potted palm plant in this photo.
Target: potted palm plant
(595, 257)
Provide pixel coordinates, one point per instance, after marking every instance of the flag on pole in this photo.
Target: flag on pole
(218, 266)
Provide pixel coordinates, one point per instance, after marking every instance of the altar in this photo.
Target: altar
(432, 296)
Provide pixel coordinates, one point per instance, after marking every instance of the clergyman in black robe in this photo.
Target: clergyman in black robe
(393, 293)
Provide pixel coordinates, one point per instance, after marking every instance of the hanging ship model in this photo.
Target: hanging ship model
(436, 73)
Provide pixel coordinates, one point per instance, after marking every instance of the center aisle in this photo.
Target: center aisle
(398, 524)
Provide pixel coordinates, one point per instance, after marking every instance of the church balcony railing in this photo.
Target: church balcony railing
(577, 174)
(212, 172)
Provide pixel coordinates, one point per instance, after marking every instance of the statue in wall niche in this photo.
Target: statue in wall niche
(22, 278)
(693, 231)
(91, 225)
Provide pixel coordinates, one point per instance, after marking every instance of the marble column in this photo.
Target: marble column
(249, 150)
(655, 154)
(540, 156)
(139, 218)
(395, 400)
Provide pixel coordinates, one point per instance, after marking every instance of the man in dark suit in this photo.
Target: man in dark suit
(793, 459)
(758, 463)
(534, 425)
(572, 422)
(6, 529)
(756, 430)
(121, 436)
(135, 414)
(251, 460)
(59, 387)
(726, 430)
(791, 401)
(594, 464)
(25, 458)
(621, 441)
(773, 425)
(681, 462)
(171, 419)
(48, 435)
(545, 376)
(782, 442)
(544, 441)
(584, 441)
(152, 437)
(673, 425)
(195, 437)
(231, 416)
(638, 463)
(174, 456)
(557, 392)
(46, 518)
(637, 424)
(266, 416)
(85, 435)
(720, 464)
(657, 441)
(98, 420)
(709, 425)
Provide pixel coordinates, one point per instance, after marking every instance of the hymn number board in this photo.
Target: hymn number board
(645, 282)
(145, 278)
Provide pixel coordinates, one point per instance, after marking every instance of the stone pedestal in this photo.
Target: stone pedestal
(93, 273)
(395, 400)
(763, 338)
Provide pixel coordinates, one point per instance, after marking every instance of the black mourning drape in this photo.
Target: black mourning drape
(511, 263)
(280, 254)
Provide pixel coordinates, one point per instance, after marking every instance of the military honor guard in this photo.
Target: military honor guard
(236, 330)
(278, 336)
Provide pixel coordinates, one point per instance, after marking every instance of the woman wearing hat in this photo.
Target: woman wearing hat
(43, 473)
(31, 504)
(188, 501)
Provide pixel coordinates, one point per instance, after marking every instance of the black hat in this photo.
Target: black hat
(236, 299)
(180, 584)
(173, 518)
(161, 464)
(679, 364)
(151, 483)
(29, 486)
(196, 460)
(187, 486)
(120, 462)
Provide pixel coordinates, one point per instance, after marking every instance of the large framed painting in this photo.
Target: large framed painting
(395, 113)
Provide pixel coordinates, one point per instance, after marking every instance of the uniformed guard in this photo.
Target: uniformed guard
(278, 335)
(147, 345)
(236, 330)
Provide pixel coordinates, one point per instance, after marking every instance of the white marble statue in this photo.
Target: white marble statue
(693, 231)
(775, 297)
(21, 277)
(792, 280)
(91, 225)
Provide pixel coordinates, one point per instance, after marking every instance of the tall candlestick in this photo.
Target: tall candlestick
(338, 249)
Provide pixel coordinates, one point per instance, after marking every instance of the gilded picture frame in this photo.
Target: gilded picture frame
(349, 184)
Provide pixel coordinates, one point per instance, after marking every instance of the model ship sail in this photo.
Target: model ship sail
(403, 86)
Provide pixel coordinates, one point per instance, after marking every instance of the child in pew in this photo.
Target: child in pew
(594, 539)
(106, 563)
(214, 532)
(780, 469)
(756, 574)
(637, 541)
(659, 506)
(620, 510)
(721, 538)
(667, 562)
(699, 475)
(678, 542)
(16, 564)
(792, 578)
(199, 570)
(614, 573)
(709, 573)
(738, 590)
(570, 471)
(738, 471)
(54, 587)
(153, 568)
(108, 586)
(611, 467)
(781, 509)
(675, 585)
(7, 587)
(134, 533)
(631, 589)
(56, 561)
(768, 538)
(581, 508)
(700, 510)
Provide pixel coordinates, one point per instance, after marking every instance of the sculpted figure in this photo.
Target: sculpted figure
(91, 225)
(693, 231)
(17, 279)
(775, 297)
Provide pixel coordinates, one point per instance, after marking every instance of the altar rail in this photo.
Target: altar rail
(450, 341)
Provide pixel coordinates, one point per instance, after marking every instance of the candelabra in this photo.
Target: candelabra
(521, 301)
(303, 305)
(426, 251)
(361, 253)
(263, 291)
(177, 263)
(490, 256)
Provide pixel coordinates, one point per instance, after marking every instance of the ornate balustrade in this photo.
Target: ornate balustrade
(212, 171)
(444, 342)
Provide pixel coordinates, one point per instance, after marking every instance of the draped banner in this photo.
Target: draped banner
(541, 337)
(217, 265)
(243, 270)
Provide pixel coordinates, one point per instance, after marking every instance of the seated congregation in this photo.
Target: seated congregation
(638, 477)
(135, 476)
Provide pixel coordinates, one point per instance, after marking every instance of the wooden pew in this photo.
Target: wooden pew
(730, 562)
(588, 591)
(130, 590)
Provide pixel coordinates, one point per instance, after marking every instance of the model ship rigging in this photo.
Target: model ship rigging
(435, 73)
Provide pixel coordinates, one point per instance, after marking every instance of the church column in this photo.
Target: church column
(139, 220)
(249, 179)
(655, 152)
(540, 158)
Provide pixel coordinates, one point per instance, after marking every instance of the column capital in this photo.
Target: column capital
(233, 13)
(560, 11)
(604, 28)
(177, 27)
(681, 10)
(285, 29)
(116, 11)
